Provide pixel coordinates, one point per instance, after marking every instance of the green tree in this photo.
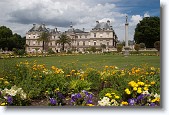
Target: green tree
(103, 47)
(5, 35)
(142, 45)
(45, 38)
(157, 45)
(119, 47)
(63, 39)
(8, 40)
(137, 47)
(148, 31)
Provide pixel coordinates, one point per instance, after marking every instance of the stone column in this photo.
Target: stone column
(126, 53)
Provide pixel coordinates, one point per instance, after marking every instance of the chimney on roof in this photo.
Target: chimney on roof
(55, 29)
(34, 25)
(43, 25)
(71, 25)
(83, 29)
(97, 22)
(108, 22)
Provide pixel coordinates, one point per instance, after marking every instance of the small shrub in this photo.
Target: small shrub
(50, 51)
(157, 45)
(137, 47)
(119, 47)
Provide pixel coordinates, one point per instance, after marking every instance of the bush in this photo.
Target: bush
(142, 45)
(107, 90)
(157, 45)
(137, 47)
(119, 47)
(76, 86)
(50, 51)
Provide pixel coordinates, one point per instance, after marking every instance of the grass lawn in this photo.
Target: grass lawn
(92, 60)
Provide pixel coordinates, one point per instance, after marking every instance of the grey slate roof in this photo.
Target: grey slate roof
(38, 28)
(102, 25)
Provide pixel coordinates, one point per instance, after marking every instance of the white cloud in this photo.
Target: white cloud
(135, 19)
(146, 14)
(60, 13)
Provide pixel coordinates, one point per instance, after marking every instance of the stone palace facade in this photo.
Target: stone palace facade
(102, 33)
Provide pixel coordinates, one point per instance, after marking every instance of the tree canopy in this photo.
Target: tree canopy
(63, 39)
(8, 40)
(148, 31)
(45, 38)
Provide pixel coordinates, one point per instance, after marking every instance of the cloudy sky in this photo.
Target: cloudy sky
(19, 15)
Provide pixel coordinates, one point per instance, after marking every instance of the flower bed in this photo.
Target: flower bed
(27, 82)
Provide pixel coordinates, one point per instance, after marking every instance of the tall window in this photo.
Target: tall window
(94, 34)
(34, 42)
(94, 43)
(107, 43)
(83, 43)
(51, 43)
(77, 43)
(38, 42)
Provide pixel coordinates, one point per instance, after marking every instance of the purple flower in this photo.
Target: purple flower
(53, 101)
(78, 95)
(10, 99)
(140, 97)
(60, 95)
(89, 101)
(84, 91)
(73, 98)
(90, 96)
(132, 101)
(152, 104)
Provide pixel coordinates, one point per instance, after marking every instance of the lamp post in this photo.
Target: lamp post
(126, 53)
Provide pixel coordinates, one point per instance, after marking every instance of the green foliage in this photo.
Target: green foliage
(50, 51)
(44, 37)
(79, 85)
(148, 31)
(107, 90)
(157, 45)
(137, 47)
(64, 39)
(119, 47)
(93, 76)
(142, 45)
(8, 41)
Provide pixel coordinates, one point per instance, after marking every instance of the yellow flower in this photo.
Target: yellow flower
(146, 88)
(139, 91)
(6, 82)
(154, 100)
(106, 66)
(127, 91)
(90, 105)
(141, 83)
(3, 104)
(1, 79)
(124, 103)
(53, 67)
(117, 97)
(107, 94)
(57, 89)
(152, 83)
(135, 88)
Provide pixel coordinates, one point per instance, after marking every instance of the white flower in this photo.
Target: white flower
(12, 92)
(23, 96)
(104, 102)
(145, 92)
(157, 96)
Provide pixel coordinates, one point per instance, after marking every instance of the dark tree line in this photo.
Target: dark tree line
(148, 31)
(8, 40)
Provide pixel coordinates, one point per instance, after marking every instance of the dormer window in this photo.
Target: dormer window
(94, 34)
